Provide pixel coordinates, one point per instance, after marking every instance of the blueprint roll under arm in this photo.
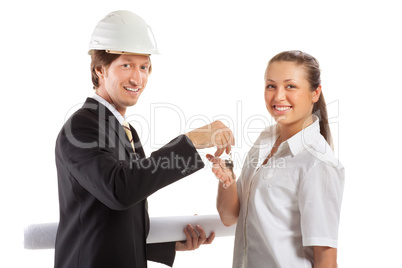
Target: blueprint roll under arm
(40, 236)
(162, 229)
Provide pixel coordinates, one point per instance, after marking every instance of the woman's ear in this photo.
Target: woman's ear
(316, 94)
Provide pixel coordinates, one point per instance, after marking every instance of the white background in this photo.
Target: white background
(213, 59)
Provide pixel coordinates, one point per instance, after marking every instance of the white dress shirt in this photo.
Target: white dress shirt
(111, 108)
(289, 204)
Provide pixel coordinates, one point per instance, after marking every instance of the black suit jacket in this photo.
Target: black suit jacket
(103, 190)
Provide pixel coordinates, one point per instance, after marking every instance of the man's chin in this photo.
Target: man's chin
(132, 103)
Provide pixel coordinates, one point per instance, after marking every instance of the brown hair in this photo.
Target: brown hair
(101, 58)
(312, 68)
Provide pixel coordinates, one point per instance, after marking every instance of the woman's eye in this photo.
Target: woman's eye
(144, 67)
(270, 87)
(126, 65)
(290, 86)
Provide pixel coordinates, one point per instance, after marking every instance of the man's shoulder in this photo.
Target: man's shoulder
(81, 127)
(87, 113)
(85, 117)
(91, 110)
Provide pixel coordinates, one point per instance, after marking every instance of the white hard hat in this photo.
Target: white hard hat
(123, 32)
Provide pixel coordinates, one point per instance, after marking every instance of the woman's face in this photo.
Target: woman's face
(288, 97)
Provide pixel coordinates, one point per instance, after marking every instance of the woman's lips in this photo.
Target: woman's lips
(282, 109)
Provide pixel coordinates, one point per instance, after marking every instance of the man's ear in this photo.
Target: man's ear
(100, 72)
(316, 94)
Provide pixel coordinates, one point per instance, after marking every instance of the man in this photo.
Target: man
(103, 174)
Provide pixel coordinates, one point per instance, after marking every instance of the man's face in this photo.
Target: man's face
(123, 82)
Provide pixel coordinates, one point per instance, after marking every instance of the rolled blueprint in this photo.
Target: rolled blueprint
(169, 229)
(40, 236)
(162, 229)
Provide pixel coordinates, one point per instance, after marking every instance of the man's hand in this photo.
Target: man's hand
(194, 240)
(214, 134)
(224, 174)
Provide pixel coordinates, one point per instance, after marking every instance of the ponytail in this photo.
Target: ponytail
(320, 110)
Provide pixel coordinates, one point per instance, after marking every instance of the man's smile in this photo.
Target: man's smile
(132, 89)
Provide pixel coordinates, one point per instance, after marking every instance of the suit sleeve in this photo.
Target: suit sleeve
(116, 182)
(162, 252)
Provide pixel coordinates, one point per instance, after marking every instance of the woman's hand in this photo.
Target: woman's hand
(194, 240)
(224, 174)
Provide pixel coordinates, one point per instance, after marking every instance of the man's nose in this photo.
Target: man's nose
(136, 77)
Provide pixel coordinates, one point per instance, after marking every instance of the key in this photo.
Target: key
(229, 165)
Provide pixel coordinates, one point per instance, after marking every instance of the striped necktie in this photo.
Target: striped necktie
(127, 129)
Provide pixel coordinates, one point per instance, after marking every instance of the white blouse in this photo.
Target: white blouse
(289, 204)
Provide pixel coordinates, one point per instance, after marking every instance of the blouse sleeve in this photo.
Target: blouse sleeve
(320, 199)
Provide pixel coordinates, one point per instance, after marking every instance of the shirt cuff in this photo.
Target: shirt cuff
(318, 241)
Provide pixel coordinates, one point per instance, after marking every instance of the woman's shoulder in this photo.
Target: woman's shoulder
(322, 154)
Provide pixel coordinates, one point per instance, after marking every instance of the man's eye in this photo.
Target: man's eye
(126, 65)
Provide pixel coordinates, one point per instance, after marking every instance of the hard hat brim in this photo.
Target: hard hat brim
(126, 53)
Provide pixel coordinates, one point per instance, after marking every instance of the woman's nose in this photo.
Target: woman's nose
(280, 94)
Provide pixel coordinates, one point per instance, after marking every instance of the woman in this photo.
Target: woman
(287, 200)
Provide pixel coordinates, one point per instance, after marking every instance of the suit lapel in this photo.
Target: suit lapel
(112, 127)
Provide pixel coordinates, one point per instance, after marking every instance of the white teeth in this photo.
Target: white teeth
(282, 108)
(132, 89)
